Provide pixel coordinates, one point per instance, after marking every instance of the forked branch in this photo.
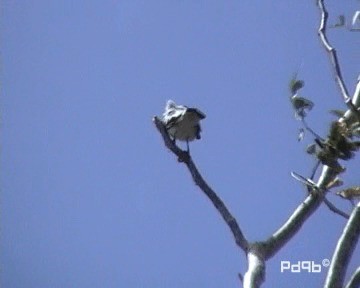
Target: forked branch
(344, 250)
(332, 53)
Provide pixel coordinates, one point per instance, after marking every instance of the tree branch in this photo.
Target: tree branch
(255, 274)
(334, 209)
(332, 53)
(354, 281)
(331, 206)
(300, 215)
(293, 224)
(199, 181)
(344, 250)
(356, 97)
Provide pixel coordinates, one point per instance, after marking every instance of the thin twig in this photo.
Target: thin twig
(336, 210)
(310, 186)
(333, 55)
(313, 172)
(199, 181)
(307, 127)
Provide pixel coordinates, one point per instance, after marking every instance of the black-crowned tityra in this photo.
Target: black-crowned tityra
(182, 122)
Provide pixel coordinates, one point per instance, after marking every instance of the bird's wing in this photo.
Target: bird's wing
(171, 117)
(200, 114)
(198, 130)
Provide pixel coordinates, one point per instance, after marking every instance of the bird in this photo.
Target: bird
(182, 123)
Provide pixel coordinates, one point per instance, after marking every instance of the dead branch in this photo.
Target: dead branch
(184, 157)
(333, 55)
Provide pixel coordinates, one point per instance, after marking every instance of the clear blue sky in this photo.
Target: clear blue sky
(90, 196)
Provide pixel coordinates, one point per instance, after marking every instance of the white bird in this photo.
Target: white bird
(182, 123)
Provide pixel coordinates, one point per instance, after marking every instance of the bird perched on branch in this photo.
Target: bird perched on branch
(182, 123)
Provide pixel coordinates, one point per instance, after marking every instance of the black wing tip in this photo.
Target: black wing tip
(198, 131)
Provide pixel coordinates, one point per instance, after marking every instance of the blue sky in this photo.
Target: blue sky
(91, 197)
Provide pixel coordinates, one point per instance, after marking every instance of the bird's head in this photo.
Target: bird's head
(170, 104)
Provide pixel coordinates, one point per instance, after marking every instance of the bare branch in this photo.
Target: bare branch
(310, 185)
(300, 215)
(199, 181)
(351, 113)
(307, 127)
(344, 250)
(354, 281)
(332, 53)
(356, 97)
(315, 169)
(334, 209)
(293, 224)
(255, 274)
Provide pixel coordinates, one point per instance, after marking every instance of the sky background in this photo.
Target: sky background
(90, 196)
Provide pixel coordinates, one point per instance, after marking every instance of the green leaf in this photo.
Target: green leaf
(296, 85)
